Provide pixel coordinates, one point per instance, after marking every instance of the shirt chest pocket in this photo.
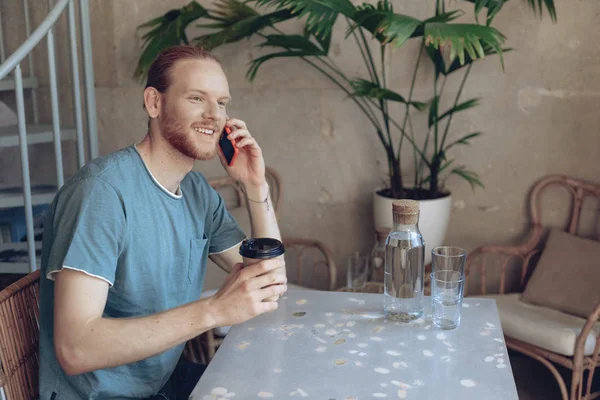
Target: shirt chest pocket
(196, 266)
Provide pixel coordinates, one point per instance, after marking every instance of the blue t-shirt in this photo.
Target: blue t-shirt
(114, 221)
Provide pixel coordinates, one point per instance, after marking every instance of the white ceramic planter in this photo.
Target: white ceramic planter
(434, 216)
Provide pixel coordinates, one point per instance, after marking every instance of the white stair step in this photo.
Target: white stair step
(21, 266)
(9, 135)
(13, 197)
(9, 84)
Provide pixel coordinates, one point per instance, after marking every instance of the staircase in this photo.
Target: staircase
(27, 133)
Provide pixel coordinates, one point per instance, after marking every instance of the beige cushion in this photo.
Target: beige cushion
(543, 327)
(567, 277)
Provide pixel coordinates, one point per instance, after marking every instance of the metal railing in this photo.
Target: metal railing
(13, 64)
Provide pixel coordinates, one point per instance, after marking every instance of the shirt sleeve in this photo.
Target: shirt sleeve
(225, 232)
(88, 228)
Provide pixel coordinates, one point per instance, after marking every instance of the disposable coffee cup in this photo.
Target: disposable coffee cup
(255, 250)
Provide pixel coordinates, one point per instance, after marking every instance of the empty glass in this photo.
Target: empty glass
(448, 258)
(446, 298)
(358, 269)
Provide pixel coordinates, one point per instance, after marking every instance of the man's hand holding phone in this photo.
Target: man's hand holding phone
(246, 163)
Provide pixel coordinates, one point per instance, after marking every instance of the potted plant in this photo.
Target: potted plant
(452, 48)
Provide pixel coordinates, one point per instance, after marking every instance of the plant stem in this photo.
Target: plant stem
(435, 120)
(429, 130)
(433, 169)
(338, 84)
(460, 89)
(368, 50)
(362, 52)
(425, 145)
(337, 70)
(384, 104)
(407, 111)
(412, 142)
(375, 123)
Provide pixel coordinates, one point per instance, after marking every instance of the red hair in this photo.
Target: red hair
(158, 74)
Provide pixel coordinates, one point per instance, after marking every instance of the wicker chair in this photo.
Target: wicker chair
(19, 338)
(480, 266)
(310, 263)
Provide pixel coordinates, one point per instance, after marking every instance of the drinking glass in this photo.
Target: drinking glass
(446, 297)
(358, 269)
(448, 258)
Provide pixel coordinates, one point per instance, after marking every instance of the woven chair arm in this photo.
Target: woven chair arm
(327, 262)
(585, 332)
(476, 260)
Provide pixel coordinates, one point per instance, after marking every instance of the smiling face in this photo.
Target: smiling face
(193, 108)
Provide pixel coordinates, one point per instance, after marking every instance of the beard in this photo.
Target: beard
(183, 141)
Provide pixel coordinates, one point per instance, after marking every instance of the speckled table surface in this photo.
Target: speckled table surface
(335, 345)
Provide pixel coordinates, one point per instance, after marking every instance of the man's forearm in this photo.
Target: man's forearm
(109, 342)
(262, 213)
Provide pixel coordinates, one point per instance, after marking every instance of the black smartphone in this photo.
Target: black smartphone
(228, 147)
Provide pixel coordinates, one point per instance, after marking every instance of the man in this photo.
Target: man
(127, 240)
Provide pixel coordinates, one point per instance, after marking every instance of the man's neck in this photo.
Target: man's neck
(165, 163)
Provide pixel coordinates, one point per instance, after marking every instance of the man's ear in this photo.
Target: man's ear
(152, 101)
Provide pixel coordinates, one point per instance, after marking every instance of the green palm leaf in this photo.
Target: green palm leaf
(493, 8)
(257, 62)
(228, 12)
(242, 29)
(471, 177)
(487, 50)
(364, 88)
(169, 30)
(295, 42)
(440, 65)
(385, 25)
(445, 17)
(320, 14)
(539, 8)
(460, 107)
(463, 140)
(324, 41)
(438, 60)
(464, 38)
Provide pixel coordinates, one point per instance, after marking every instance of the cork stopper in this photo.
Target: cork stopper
(406, 212)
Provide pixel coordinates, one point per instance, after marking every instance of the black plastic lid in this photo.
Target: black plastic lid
(261, 248)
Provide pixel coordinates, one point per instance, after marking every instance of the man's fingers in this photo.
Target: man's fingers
(262, 267)
(238, 133)
(272, 291)
(272, 278)
(247, 142)
(236, 123)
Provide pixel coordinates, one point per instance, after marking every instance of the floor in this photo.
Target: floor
(535, 382)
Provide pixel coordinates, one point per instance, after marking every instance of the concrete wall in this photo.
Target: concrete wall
(540, 116)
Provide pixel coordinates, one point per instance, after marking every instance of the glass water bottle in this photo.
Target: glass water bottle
(404, 264)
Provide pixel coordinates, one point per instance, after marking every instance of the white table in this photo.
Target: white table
(334, 345)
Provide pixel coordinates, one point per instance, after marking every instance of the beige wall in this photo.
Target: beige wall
(539, 117)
